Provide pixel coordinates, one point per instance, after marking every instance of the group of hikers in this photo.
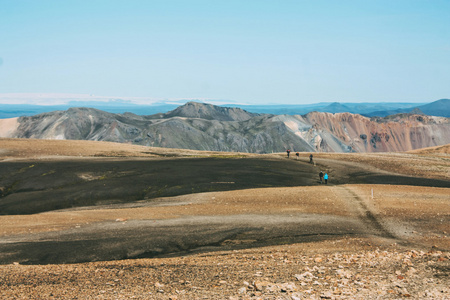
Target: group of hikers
(323, 177)
(288, 151)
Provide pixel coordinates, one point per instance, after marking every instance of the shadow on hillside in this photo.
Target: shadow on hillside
(28, 188)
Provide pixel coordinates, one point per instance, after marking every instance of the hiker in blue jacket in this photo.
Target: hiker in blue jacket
(325, 177)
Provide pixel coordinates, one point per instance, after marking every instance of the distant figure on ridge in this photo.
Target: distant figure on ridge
(325, 177)
(288, 151)
(310, 158)
(321, 176)
(297, 154)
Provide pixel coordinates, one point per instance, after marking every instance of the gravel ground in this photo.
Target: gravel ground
(339, 269)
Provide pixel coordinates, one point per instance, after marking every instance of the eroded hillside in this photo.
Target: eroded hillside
(207, 127)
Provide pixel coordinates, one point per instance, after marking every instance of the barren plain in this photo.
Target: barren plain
(97, 220)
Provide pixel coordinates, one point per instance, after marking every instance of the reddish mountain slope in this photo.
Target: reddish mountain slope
(207, 127)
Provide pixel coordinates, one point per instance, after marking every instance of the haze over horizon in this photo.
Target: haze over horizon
(252, 52)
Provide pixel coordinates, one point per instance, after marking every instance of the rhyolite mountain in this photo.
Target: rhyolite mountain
(207, 127)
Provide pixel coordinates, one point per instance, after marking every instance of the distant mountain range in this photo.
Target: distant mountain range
(21, 110)
(202, 126)
(440, 108)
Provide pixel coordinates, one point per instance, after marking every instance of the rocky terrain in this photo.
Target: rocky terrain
(343, 269)
(207, 127)
(242, 226)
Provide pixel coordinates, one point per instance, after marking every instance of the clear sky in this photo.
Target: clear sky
(289, 52)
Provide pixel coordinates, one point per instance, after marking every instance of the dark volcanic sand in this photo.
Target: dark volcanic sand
(89, 182)
(39, 186)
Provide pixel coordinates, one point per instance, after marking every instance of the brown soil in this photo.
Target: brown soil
(358, 237)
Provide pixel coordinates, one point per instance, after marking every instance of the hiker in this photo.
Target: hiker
(325, 177)
(288, 151)
(321, 176)
(310, 158)
(297, 154)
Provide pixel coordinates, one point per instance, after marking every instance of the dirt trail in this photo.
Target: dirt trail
(203, 222)
(364, 211)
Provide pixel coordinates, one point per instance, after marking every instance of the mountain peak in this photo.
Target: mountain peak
(437, 108)
(337, 107)
(210, 112)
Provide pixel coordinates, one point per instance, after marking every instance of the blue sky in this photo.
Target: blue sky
(289, 52)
